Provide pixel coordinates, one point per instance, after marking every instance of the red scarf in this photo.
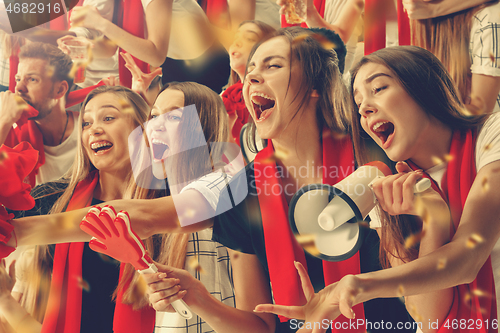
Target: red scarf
(64, 308)
(375, 21)
(282, 248)
(15, 164)
(131, 19)
(456, 185)
(320, 7)
(235, 105)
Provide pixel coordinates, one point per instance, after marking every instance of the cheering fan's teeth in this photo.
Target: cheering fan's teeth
(96, 146)
(378, 125)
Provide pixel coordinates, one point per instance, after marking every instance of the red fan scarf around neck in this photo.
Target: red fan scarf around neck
(64, 308)
(456, 185)
(235, 106)
(282, 248)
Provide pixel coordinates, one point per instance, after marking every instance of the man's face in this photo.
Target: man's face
(35, 85)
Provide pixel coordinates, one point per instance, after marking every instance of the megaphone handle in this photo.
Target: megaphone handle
(421, 186)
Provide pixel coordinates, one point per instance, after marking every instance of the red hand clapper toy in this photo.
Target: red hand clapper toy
(112, 235)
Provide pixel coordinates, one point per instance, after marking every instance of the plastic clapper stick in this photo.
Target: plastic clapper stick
(113, 236)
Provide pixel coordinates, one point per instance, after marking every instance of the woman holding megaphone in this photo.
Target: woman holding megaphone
(407, 103)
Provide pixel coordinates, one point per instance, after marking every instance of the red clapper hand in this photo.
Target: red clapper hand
(112, 235)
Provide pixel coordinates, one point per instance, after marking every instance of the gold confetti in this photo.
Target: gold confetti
(126, 107)
(364, 224)
(3, 156)
(473, 240)
(480, 293)
(189, 213)
(49, 71)
(90, 55)
(487, 147)
(401, 291)
(308, 243)
(300, 38)
(195, 265)
(20, 102)
(107, 259)
(448, 158)
(281, 154)
(414, 239)
(485, 185)
(83, 284)
(441, 264)
(492, 57)
(436, 160)
(324, 41)
(139, 289)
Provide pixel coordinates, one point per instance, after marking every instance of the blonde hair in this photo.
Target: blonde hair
(35, 297)
(170, 249)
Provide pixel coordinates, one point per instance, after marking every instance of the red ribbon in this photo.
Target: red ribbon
(282, 248)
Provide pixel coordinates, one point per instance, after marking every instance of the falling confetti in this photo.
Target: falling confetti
(492, 57)
(473, 240)
(487, 147)
(300, 38)
(3, 156)
(401, 291)
(308, 243)
(139, 289)
(448, 158)
(441, 264)
(485, 185)
(414, 239)
(281, 154)
(50, 71)
(436, 160)
(20, 101)
(107, 259)
(189, 213)
(324, 41)
(125, 106)
(83, 284)
(195, 265)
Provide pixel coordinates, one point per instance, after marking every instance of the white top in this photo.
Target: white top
(268, 12)
(484, 43)
(216, 276)
(186, 41)
(332, 11)
(99, 68)
(59, 159)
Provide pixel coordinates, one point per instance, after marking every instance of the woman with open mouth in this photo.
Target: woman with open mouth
(69, 286)
(441, 246)
(290, 102)
(249, 33)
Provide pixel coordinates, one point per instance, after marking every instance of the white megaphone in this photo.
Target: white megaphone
(355, 194)
(327, 215)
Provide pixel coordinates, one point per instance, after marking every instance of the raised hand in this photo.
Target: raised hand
(140, 80)
(87, 17)
(328, 304)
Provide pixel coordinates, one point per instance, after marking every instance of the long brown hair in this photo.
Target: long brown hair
(170, 248)
(426, 80)
(448, 38)
(266, 30)
(320, 72)
(35, 297)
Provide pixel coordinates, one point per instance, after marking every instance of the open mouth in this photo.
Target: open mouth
(160, 149)
(101, 146)
(263, 105)
(384, 130)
